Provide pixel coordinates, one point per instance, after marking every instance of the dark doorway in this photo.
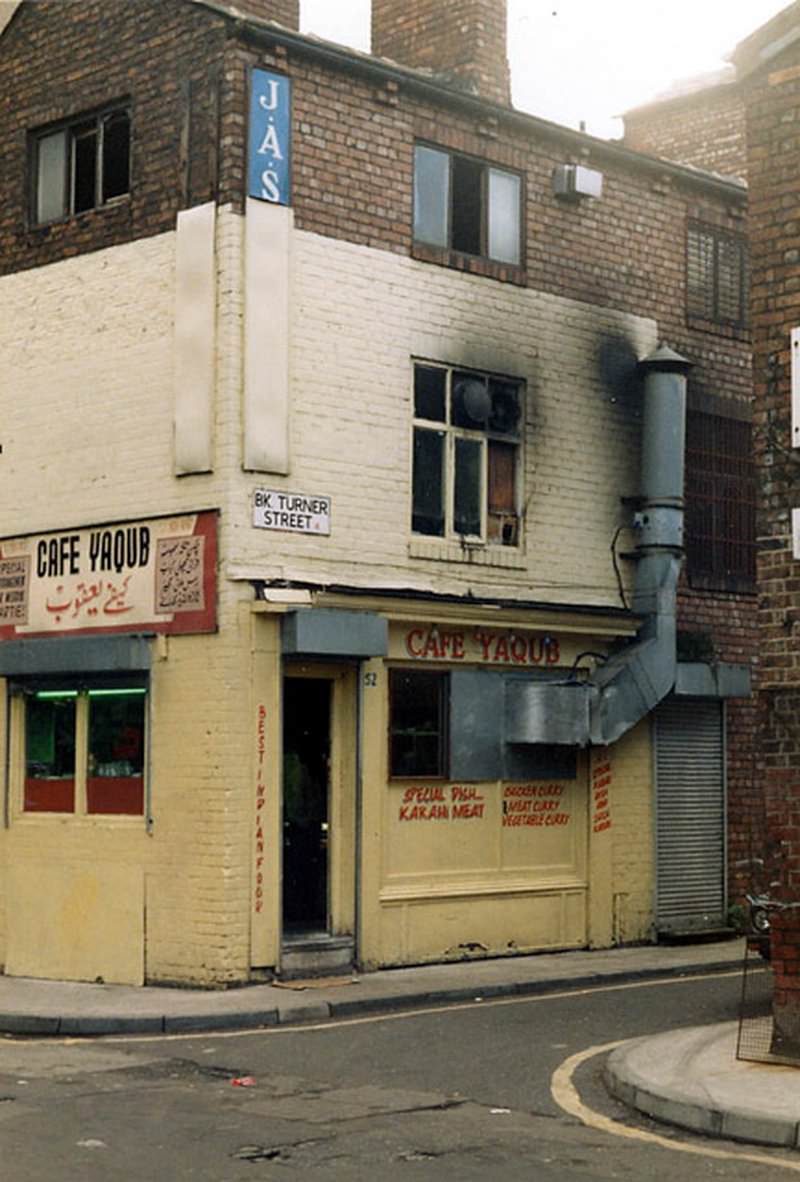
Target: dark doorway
(306, 776)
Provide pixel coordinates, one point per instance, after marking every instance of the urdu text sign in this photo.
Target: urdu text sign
(291, 512)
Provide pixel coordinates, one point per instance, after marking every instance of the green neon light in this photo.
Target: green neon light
(50, 695)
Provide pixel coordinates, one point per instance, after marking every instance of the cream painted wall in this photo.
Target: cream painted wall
(87, 433)
(358, 317)
(632, 832)
(88, 423)
(87, 400)
(190, 876)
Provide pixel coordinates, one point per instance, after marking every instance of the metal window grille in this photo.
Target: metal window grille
(716, 276)
(720, 501)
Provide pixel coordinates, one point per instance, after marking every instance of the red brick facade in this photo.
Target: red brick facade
(166, 65)
(705, 129)
(284, 12)
(772, 94)
(464, 40)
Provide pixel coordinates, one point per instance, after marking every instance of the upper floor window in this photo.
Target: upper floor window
(81, 165)
(467, 433)
(720, 502)
(467, 205)
(716, 275)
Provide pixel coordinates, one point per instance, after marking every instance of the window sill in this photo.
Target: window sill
(734, 332)
(81, 820)
(471, 264)
(442, 550)
(729, 584)
(41, 229)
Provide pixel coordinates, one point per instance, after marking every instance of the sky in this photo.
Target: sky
(589, 60)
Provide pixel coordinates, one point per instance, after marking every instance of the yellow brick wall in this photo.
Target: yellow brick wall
(633, 838)
(195, 865)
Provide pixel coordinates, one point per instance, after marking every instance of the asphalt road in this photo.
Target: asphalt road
(459, 1093)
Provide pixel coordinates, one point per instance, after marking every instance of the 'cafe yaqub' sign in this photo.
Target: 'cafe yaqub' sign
(482, 646)
(157, 575)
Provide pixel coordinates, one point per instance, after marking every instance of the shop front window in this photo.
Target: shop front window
(50, 752)
(115, 770)
(84, 750)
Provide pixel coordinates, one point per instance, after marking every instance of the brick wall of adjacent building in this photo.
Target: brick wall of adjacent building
(704, 129)
(284, 12)
(772, 96)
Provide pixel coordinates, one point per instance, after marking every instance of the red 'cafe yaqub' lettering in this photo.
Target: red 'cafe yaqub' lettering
(433, 643)
(491, 647)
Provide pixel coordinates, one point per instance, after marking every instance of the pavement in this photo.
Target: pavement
(686, 1077)
(693, 1079)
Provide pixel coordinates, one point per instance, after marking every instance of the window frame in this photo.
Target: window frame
(702, 304)
(442, 676)
(452, 433)
(487, 169)
(81, 691)
(71, 129)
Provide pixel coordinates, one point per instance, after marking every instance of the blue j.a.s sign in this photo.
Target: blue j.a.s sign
(270, 150)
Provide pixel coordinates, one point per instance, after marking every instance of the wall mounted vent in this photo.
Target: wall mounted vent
(572, 181)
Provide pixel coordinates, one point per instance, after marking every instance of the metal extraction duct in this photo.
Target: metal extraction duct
(633, 681)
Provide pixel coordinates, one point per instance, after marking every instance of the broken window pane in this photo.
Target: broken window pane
(428, 483)
(471, 402)
(505, 415)
(465, 475)
(430, 393)
(468, 487)
(51, 176)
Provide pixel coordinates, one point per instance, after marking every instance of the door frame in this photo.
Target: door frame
(342, 794)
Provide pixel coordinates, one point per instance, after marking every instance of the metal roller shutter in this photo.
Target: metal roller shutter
(690, 816)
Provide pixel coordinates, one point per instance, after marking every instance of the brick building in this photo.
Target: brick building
(699, 122)
(768, 69)
(340, 609)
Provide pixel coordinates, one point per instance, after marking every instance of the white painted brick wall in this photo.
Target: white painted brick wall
(359, 317)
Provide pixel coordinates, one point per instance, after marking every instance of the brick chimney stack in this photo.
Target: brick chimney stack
(285, 12)
(463, 41)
